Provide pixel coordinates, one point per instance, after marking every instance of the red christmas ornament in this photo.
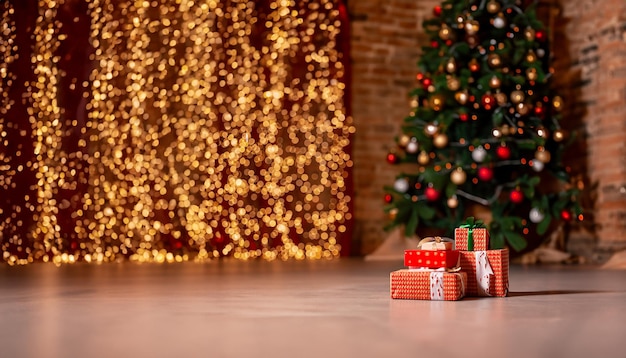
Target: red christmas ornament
(540, 35)
(431, 193)
(566, 215)
(488, 101)
(448, 42)
(434, 44)
(392, 158)
(503, 152)
(485, 174)
(388, 198)
(419, 76)
(437, 11)
(539, 111)
(516, 196)
(427, 82)
(464, 117)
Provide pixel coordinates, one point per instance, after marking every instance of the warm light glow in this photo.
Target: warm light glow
(203, 140)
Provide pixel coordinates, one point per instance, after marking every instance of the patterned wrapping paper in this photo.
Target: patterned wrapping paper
(431, 259)
(491, 280)
(427, 285)
(480, 237)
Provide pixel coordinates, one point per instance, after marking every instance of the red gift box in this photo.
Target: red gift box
(479, 237)
(487, 272)
(428, 285)
(431, 259)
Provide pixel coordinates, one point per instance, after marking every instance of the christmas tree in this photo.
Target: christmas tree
(485, 128)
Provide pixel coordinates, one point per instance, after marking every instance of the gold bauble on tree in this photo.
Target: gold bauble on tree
(501, 98)
(440, 140)
(495, 82)
(404, 140)
(493, 7)
(423, 158)
(531, 56)
(451, 65)
(431, 129)
(472, 27)
(458, 176)
(531, 74)
(473, 65)
(393, 213)
(437, 101)
(517, 96)
(461, 97)
(494, 60)
(453, 202)
(529, 34)
(523, 108)
(559, 135)
(453, 83)
(542, 155)
(445, 33)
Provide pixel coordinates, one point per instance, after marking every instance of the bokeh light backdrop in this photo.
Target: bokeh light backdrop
(173, 130)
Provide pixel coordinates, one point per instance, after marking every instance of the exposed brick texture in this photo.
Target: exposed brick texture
(590, 63)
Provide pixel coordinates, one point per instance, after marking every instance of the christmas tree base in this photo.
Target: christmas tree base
(393, 247)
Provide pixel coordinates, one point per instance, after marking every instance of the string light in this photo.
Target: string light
(204, 138)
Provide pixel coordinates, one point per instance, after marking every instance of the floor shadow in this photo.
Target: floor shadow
(553, 292)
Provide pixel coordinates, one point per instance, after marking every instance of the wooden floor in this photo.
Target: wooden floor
(300, 309)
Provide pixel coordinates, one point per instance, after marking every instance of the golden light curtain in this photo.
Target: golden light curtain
(199, 129)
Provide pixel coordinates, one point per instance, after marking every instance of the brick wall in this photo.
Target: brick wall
(590, 48)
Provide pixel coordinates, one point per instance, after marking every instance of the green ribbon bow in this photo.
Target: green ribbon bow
(471, 223)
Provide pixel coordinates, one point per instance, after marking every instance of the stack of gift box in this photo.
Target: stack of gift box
(442, 269)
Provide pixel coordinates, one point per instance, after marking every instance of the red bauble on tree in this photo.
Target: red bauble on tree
(427, 82)
(566, 215)
(388, 198)
(488, 101)
(431, 193)
(503, 152)
(463, 117)
(434, 44)
(541, 35)
(437, 10)
(485, 174)
(516, 196)
(392, 158)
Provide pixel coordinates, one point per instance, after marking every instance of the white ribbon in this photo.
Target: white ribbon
(484, 273)
(436, 285)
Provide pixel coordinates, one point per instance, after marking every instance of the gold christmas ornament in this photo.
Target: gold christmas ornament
(523, 108)
(423, 158)
(453, 83)
(458, 176)
(393, 213)
(414, 102)
(501, 98)
(529, 34)
(542, 155)
(461, 97)
(404, 140)
(530, 56)
(452, 202)
(431, 129)
(451, 65)
(506, 130)
(559, 135)
(440, 140)
(531, 74)
(495, 82)
(437, 101)
(517, 96)
(493, 7)
(493, 60)
(445, 33)
(472, 27)
(557, 103)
